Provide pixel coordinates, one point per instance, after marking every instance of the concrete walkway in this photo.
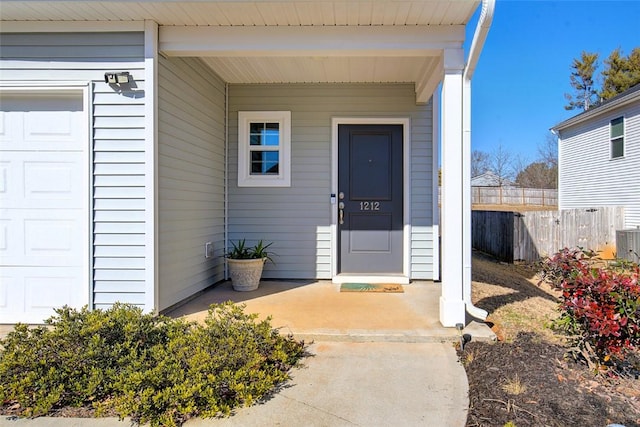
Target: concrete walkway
(317, 310)
(377, 359)
(347, 384)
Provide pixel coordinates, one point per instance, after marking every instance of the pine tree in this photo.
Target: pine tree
(620, 73)
(582, 82)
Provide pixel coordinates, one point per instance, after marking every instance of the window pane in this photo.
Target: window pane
(255, 127)
(264, 134)
(265, 162)
(617, 148)
(255, 133)
(617, 127)
(271, 137)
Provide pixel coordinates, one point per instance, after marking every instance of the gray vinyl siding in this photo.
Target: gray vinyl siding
(422, 229)
(70, 56)
(118, 144)
(589, 177)
(191, 150)
(298, 218)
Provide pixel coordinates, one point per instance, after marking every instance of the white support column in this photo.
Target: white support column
(452, 305)
(466, 203)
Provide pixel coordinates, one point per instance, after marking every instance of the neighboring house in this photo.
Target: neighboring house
(490, 179)
(599, 157)
(139, 138)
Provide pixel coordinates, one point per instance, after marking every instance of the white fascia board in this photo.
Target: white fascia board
(70, 26)
(309, 41)
(587, 115)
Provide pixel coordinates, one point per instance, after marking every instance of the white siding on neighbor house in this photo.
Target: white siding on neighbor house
(191, 133)
(298, 218)
(589, 177)
(118, 149)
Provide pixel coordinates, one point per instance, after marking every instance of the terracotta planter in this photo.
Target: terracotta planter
(245, 273)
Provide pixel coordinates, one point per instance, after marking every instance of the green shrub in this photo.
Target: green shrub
(151, 368)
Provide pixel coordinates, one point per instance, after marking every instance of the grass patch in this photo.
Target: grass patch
(151, 368)
(514, 386)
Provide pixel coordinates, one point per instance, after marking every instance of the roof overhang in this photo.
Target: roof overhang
(621, 100)
(286, 41)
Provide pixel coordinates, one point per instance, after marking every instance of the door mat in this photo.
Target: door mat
(371, 287)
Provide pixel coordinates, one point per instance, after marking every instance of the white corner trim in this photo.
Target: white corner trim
(435, 112)
(406, 179)
(71, 26)
(88, 256)
(151, 298)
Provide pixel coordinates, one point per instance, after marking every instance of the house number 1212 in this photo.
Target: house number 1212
(369, 206)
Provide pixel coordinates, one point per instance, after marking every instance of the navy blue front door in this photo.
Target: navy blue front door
(370, 199)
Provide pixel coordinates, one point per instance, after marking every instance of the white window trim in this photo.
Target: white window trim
(245, 179)
(623, 137)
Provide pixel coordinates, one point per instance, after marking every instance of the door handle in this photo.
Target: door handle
(341, 213)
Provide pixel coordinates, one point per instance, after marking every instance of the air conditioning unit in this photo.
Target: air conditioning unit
(628, 244)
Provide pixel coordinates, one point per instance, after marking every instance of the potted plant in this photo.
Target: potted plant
(246, 263)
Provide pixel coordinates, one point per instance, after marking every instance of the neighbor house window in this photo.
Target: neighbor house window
(617, 137)
(264, 148)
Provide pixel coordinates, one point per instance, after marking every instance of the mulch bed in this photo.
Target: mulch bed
(554, 392)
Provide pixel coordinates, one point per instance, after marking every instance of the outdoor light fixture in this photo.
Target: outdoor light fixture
(117, 78)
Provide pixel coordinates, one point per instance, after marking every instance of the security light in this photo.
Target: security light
(122, 77)
(117, 77)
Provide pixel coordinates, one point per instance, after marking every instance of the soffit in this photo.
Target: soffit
(322, 70)
(246, 13)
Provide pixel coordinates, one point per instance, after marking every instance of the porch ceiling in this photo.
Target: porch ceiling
(246, 13)
(288, 41)
(322, 69)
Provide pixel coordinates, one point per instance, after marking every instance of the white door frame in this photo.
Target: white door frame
(82, 89)
(406, 228)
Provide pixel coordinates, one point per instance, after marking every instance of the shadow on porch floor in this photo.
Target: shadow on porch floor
(317, 310)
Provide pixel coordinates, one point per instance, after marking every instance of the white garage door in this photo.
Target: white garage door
(43, 204)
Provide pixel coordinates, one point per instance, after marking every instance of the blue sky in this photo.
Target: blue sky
(523, 73)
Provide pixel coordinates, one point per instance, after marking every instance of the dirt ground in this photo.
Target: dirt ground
(525, 378)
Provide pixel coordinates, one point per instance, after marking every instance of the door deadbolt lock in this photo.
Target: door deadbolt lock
(341, 196)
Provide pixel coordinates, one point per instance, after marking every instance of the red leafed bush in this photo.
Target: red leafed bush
(600, 306)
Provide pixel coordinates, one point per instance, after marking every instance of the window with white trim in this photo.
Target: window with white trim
(617, 137)
(264, 148)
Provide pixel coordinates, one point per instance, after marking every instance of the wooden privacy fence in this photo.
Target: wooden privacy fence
(513, 236)
(514, 196)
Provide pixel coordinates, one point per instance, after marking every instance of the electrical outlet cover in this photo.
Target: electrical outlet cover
(208, 250)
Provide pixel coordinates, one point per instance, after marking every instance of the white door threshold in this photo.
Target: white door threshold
(399, 279)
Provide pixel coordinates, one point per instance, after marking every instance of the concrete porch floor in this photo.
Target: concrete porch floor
(317, 310)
